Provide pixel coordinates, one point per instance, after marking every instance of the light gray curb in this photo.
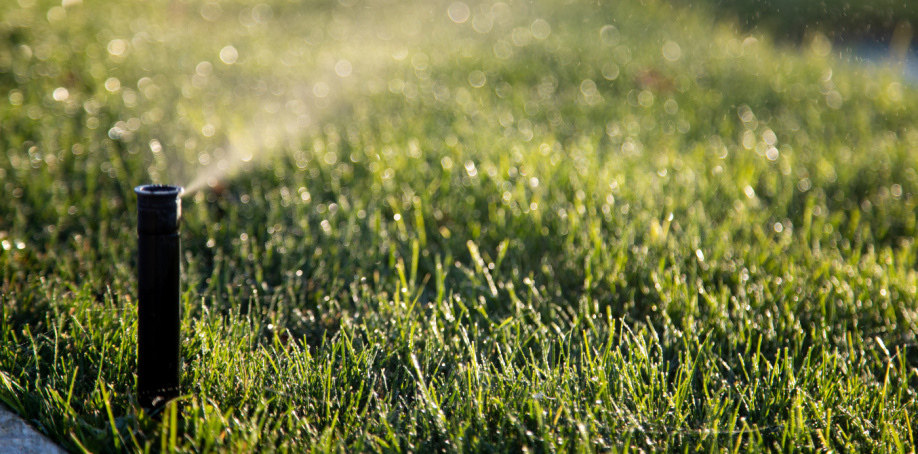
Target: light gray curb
(18, 437)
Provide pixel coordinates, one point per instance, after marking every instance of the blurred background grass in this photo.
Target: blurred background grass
(841, 20)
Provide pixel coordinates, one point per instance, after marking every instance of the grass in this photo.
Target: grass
(547, 227)
(844, 21)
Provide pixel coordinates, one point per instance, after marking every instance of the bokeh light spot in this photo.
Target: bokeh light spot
(343, 68)
(117, 47)
(229, 55)
(540, 29)
(672, 51)
(61, 94)
(458, 12)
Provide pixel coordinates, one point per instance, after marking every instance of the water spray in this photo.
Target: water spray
(159, 212)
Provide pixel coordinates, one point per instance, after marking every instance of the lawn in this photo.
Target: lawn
(446, 226)
(842, 20)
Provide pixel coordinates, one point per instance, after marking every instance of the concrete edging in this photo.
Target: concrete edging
(18, 437)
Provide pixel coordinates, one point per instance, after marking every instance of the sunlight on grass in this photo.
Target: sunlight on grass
(457, 226)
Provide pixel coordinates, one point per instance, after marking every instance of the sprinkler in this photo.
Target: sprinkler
(159, 211)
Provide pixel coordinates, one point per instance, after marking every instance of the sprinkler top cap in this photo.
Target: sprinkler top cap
(159, 209)
(159, 190)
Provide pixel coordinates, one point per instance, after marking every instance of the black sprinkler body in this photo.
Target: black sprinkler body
(159, 212)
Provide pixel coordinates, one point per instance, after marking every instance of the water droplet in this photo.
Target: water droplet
(112, 84)
(769, 137)
(521, 36)
(772, 154)
(16, 97)
(320, 89)
(671, 106)
(588, 87)
(262, 13)
(610, 71)
(458, 12)
(477, 79)
(211, 11)
(540, 29)
(471, 169)
(645, 98)
(482, 23)
(57, 14)
(343, 68)
(503, 50)
(61, 94)
(117, 47)
(609, 35)
(672, 51)
(803, 185)
(229, 55)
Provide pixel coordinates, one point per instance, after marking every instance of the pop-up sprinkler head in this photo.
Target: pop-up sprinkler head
(159, 211)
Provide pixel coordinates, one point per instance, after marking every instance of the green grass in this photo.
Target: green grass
(843, 20)
(642, 237)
